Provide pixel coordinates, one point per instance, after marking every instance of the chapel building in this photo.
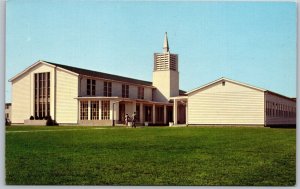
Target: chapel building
(77, 96)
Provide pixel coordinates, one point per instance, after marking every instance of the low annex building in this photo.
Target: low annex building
(228, 102)
(79, 96)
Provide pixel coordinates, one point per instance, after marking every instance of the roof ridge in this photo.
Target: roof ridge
(93, 72)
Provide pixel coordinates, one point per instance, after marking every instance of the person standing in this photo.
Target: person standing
(133, 120)
(126, 119)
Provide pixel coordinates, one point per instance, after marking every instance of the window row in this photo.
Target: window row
(107, 89)
(274, 109)
(94, 112)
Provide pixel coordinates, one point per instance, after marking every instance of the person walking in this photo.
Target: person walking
(133, 120)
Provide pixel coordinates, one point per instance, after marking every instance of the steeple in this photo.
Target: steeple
(165, 74)
(166, 43)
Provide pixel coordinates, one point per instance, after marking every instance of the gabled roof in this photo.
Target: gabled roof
(91, 73)
(29, 68)
(86, 72)
(226, 79)
(182, 92)
(239, 83)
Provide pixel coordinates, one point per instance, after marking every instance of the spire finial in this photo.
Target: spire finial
(166, 43)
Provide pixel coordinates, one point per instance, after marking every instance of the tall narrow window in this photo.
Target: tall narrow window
(125, 91)
(105, 109)
(153, 94)
(88, 87)
(93, 87)
(107, 88)
(41, 95)
(94, 110)
(140, 93)
(84, 110)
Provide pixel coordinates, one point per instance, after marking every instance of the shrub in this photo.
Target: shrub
(49, 122)
(7, 122)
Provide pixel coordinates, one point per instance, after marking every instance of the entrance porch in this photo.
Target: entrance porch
(180, 105)
(101, 111)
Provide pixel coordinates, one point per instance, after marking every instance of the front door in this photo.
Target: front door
(148, 113)
(169, 114)
(181, 117)
(122, 113)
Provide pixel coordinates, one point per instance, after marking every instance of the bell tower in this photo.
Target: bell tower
(165, 73)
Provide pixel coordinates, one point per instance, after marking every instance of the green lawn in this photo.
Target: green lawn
(151, 156)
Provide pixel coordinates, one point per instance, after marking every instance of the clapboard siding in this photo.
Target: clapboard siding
(67, 91)
(228, 104)
(280, 119)
(21, 99)
(23, 93)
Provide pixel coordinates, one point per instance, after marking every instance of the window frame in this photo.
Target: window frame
(125, 90)
(105, 109)
(141, 93)
(107, 88)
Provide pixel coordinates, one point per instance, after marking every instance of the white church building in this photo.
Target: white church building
(76, 96)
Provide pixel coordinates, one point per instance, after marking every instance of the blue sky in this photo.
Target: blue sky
(251, 42)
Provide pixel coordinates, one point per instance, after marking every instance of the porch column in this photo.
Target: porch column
(186, 112)
(116, 110)
(141, 113)
(89, 110)
(111, 117)
(175, 111)
(78, 112)
(153, 113)
(100, 109)
(165, 114)
(133, 107)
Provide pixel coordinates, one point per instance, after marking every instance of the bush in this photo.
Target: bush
(7, 122)
(49, 122)
(31, 118)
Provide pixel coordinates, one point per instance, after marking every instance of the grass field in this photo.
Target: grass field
(150, 156)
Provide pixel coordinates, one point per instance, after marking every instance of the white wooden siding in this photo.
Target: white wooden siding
(229, 104)
(83, 85)
(116, 89)
(133, 91)
(67, 91)
(99, 87)
(21, 99)
(147, 93)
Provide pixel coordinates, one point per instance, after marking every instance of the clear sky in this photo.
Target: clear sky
(251, 42)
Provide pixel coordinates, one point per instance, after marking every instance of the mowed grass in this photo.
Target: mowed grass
(151, 156)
